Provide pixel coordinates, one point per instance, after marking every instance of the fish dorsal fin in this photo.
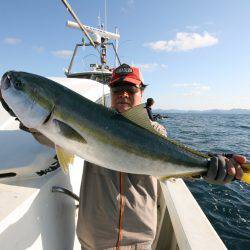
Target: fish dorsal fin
(65, 158)
(139, 116)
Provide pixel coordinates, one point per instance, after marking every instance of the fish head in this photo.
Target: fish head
(28, 97)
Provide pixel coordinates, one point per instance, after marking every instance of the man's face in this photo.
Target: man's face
(125, 96)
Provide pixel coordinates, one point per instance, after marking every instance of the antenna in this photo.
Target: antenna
(91, 30)
(105, 16)
(99, 19)
(116, 49)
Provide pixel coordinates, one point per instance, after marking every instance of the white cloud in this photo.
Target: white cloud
(62, 53)
(129, 4)
(150, 67)
(38, 49)
(192, 89)
(12, 40)
(184, 41)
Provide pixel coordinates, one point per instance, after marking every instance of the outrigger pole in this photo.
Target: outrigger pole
(68, 7)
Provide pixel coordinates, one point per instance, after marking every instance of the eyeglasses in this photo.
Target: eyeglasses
(125, 88)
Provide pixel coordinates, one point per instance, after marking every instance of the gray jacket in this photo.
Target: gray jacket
(117, 209)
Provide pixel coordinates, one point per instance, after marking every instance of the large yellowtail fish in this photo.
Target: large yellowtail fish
(123, 142)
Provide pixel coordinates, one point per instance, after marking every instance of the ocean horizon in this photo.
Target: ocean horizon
(205, 111)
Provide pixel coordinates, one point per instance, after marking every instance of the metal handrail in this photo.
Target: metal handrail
(57, 189)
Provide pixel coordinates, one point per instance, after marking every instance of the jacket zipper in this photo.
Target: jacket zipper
(121, 214)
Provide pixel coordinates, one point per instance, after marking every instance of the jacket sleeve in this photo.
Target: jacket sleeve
(159, 128)
(42, 139)
(150, 115)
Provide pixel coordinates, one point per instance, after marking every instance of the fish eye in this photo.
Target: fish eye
(18, 84)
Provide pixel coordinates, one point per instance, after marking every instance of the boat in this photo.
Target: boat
(39, 203)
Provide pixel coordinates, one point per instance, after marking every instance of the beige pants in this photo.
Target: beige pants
(142, 246)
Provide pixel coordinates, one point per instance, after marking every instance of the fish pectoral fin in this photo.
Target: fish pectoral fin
(65, 158)
(139, 116)
(68, 131)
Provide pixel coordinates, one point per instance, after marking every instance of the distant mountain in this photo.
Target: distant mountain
(209, 111)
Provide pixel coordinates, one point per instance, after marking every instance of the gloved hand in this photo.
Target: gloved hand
(159, 128)
(42, 139)
(223, 170)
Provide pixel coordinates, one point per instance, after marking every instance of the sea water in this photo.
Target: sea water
(227, 207)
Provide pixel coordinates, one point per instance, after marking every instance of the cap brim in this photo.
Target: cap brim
(126, 79)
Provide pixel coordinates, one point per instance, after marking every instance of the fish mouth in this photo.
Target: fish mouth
(4, 85)
(5, 82)
(6, 106)
(49, 115)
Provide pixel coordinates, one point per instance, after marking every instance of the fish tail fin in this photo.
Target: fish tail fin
(246, 178)
(246, 175)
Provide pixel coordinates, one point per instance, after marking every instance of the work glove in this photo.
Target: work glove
(223, 170)
(159, 128)
(42, 139)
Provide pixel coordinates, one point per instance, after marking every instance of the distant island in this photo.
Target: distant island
(209, 111)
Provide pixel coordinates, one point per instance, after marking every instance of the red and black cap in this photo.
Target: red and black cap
(126, 73)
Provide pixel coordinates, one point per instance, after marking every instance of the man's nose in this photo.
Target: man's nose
(124, 93)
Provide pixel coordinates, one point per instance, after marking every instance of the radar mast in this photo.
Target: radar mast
(99, 39)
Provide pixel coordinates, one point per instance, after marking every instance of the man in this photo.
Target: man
(150, 102)
(118, 209)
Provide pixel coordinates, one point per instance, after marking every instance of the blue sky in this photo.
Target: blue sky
(193, 54)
